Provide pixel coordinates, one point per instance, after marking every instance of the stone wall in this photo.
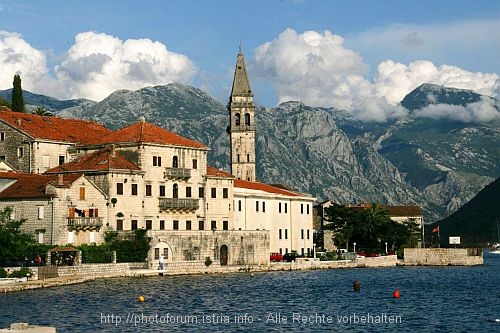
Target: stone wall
(95, 270)
(443, 257)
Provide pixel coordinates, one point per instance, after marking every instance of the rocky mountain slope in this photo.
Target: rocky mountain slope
(437, 164)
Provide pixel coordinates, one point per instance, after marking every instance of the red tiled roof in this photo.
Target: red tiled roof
(29, 185)
(55, 128)
(142, 131)
(211, 171)
(263, 187)
(102, 160)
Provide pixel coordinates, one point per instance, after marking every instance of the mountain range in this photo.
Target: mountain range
(438, 164)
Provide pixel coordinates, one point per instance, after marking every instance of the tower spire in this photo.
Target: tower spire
(242, 127)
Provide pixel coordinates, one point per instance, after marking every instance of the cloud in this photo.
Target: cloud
(19, 57)
(317, 69)
(483, 111)
(99, 64)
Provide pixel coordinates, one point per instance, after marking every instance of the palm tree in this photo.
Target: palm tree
(42, 111)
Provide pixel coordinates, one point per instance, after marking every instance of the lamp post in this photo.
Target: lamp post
(314, 250)
(385, 247)
(354, 246)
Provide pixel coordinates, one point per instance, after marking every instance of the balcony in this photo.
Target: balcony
(85, 223)
(177, 173)
(175, 204)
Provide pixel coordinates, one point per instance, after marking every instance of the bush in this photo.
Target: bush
(208, 261)
(23, 272)
(3, 273)
(133, 249)
(96, 254)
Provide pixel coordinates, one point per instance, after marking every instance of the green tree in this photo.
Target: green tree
(4, 102)
(42, 111)
(17, 95)
(13, 242)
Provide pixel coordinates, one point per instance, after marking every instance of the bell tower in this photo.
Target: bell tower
(242, 123)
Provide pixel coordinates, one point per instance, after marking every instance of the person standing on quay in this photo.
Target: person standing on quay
(162, 262)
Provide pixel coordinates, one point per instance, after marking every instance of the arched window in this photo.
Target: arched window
(175, 162)
(175, 191)
(237, 119)
(247, 119)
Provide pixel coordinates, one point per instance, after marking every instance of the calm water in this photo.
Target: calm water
(447, 299)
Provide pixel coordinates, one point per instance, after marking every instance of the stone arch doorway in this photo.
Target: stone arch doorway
(161, 248)
(223, 255)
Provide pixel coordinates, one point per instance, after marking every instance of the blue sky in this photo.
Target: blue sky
(361, 56)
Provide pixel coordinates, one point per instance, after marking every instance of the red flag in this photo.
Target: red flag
(436, 229)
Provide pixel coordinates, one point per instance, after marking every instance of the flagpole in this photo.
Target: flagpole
(439, 239)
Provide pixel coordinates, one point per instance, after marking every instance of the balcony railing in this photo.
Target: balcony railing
(178, 173)
(178, 204)
(81, 223)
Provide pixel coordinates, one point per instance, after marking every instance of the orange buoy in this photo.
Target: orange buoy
(141, 298)
(396, 293)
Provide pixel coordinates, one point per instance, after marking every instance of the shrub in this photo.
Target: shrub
(23, 272)
(208, 261)
(3, 273)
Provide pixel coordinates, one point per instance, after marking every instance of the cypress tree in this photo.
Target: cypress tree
(17, 95)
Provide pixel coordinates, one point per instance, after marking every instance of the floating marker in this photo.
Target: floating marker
(141, 298)
(396, 293)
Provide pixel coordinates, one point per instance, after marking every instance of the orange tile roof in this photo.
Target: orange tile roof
(211, 171)
(143, 131)
(102, 160)
(29, 185)
(263, 187)
(55, 128)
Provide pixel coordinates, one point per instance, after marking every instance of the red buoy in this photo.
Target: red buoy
(396, 293)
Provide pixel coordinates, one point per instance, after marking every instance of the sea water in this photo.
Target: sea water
(433, 299)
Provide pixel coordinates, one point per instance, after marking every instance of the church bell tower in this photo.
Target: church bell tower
(242, 123)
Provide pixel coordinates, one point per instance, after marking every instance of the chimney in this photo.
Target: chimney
(18, 121)
(112, 151)
(60, 180)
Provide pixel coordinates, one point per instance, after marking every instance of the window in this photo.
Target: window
(301, 233)
(195, 163)
(201, 192)
(286, 233)
(157, 253)
(175, 225)
(307, 233)
(286, 207)
(263, 206)
(213, 225)
(40, 237)
(238, 158)
(134, 189)
(175, 191)
(41, 212)
(239, 205)
(188, 191)
(225, 193)
(225, 225)
(162, 224)
(247, 119)
(248, 157)
(175, 162)
(119, 224)
(2, 158)
(61, 159)
(301, 208)
(2, 136)
(156, 160)
(149, 224)
(165, 252)
(188, 225)
(82, 193)
(201, 225)
(162, 190)
(279, 207)
(280, 234)
(256, 206)
(149, 190)
(307, 206)
(237, 119)
(20, 152)
(119, 188)
(134, 225)
(214, 192)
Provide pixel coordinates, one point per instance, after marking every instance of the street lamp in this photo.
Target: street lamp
(354, 246)
(385, 247)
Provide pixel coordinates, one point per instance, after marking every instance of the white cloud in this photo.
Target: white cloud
(479, 112)
(98, 64)
(94, 67)
(317, 69)
(19, 57)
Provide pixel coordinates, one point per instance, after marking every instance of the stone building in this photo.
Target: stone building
(145, 177)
